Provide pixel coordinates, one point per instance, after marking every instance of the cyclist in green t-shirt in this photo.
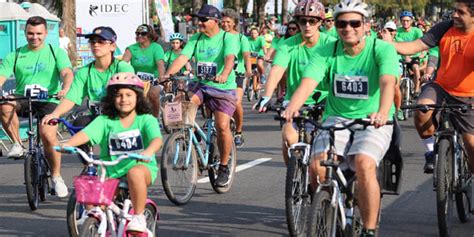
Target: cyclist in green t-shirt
(42, 66)
(328, 25)
(360, 72)
(214, 52)
(126, 120)
(146, 57)
(177, 44)
(257, 53)
(293, 56)
(90, 80)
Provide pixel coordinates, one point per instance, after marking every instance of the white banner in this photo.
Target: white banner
(163, 11)
(124, 16)
(219, 4)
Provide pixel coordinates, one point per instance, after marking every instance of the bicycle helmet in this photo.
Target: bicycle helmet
(282, 30)
(356, 6)
(406, 13)
(312, 8)
(176, 36)
(125, 79)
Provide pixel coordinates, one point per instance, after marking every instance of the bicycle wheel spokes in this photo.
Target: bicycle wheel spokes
(32, 185)
(321, 215)
(444, 195)
(178, 175)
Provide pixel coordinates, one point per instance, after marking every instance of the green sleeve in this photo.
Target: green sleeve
(62, 60)
(152, 127)
(317, 69)
(78, 88)
(231, 45)
(419, 34)
(245, 44)
(158, 53)
(6, 68)
(189, 48)
(274, 44)
(281, 57)
(125, 67)
(386, 59)
(96, 129)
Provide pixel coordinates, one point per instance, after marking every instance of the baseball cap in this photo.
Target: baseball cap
(142, 29)
(208, 11)
(328, 15)
(390, 25)
(103, 32)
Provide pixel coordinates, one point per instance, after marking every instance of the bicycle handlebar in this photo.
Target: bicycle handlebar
(426, 107)
(336, 127)
(16, 98)
(75, 150)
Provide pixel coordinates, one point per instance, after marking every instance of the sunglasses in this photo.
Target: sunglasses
(311, 21)
(203, 19)
(292, 28)
(390, 30)
(141, 33)
(99, 41)
(329, 20)
(353, 23)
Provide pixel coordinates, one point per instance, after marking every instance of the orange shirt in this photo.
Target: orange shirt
(456, 70)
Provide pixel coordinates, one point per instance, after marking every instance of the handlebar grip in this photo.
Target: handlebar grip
(53, 122)
(66, 149)
(138, 157)
(279, 118)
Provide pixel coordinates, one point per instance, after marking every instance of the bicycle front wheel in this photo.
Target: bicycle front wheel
(32, 187)
(444, 196)
(297, 201)
(90, 228)
(75, 215)
(214, 157)
(178, 176)
(151, 218)
(321, 215)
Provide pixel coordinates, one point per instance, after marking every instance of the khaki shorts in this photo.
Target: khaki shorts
(373, 142)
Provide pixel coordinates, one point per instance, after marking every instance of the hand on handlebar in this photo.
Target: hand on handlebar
(221, 79)
(426, 77)
(378, 119)
(48, 118)
(290, 112)
(262, 104)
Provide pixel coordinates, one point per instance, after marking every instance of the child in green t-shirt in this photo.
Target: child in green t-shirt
(126, 126)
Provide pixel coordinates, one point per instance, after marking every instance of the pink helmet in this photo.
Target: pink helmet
(125, 79)
(311, 8)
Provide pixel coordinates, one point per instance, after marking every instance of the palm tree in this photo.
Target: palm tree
(68, 16)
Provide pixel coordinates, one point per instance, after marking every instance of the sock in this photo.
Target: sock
(238, 133)
(429, 144)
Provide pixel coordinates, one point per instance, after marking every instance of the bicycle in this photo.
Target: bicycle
(188, 150)
(297, 193)
(99, 192)
(334, 208)
(407, 88)
(169, 93)
(452, 179)
(253, 89)
(37, 171)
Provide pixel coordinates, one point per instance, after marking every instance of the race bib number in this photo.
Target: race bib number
(144, 76)
(125, 142)
(351, 87)
(36, 91)
(94, 107)
(206, 70)
(173, 112)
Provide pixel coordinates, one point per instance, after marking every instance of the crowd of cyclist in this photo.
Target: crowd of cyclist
(333, 52)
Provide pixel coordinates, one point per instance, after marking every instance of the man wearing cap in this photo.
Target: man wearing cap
(90, 81)
(328, 26)
(214, 52)
(36, 65)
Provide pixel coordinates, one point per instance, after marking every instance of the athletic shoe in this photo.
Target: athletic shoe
(59, 186)
(222, 176)
(429, 162)
(239, 140)
(137, 224)
(16, 151)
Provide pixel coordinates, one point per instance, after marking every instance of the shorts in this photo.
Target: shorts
(240, 79)
(463, 122)
(414, 60)
(373, 142)
(40, 108)
(215, 99)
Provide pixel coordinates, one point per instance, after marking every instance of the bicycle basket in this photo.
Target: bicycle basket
(90, 190)
(179, 114)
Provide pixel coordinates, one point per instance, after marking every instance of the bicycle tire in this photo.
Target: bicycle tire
(297, 203)
(32, 187)
(181, 192)
(405, 91)
(73, 214)
(444, 197)
(43, 182)
(214, 162)
(151, 218)
(90, 227)
(461, 198)
(322, 212)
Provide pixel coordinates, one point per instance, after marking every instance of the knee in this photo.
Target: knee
(222, 126)
(48, 133)
(135, 173)
(365, 167)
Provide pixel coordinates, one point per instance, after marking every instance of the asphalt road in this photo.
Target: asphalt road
(254, 206)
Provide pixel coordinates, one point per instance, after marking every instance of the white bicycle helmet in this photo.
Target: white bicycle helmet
(356, 6)
(176, 36)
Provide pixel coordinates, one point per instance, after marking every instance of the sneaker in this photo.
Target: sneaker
(137, 224)
(400, 116)
(16, 151)
(59, 186)
(429, 162)
(239, 140)
(222, 176)
(367, 233)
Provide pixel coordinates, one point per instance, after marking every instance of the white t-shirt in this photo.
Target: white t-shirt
(64, 43)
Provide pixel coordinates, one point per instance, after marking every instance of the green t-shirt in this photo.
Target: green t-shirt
(92, 83)
(332, 32)
(256, 45)
(407, 36)
(109, 132)
(434, 52)
(354, 81)
(36, 68)
(294, 57)
(275, 42)
(169, 58)
(244, 47)
(145, 60)
(213, 50)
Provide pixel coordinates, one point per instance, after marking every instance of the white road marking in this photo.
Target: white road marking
(240, 168)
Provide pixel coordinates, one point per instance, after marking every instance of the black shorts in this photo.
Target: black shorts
(463, 122)
(40, 108)
(414, 60)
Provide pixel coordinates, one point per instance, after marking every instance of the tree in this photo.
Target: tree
(68, 17)
(284, 11)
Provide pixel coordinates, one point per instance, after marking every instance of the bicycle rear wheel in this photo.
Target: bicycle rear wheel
(32, 185)
(90, 228)
(464, 186)
(179, 177)
(214, 161)
(444, 195)
(297, 202)
(321, 216)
